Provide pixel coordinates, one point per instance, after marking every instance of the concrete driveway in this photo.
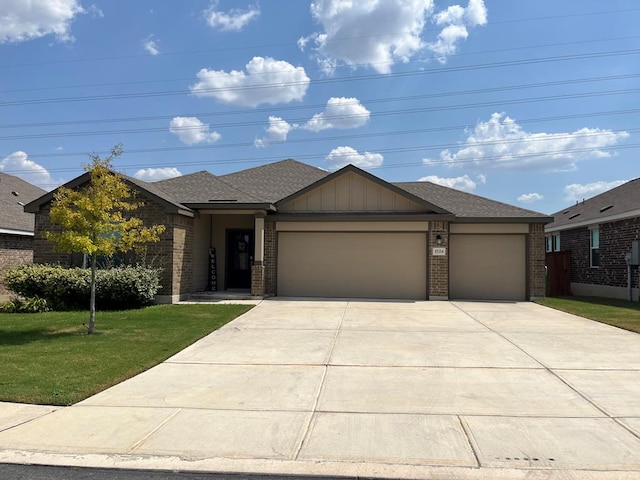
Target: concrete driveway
(366, 388)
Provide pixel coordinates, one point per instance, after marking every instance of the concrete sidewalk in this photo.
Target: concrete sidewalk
(444, 390)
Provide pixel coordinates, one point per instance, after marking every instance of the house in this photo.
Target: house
(598, 233)
(291, 229)
(16, 226)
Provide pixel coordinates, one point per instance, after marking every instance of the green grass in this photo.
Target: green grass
(619, 313)
(48, 358)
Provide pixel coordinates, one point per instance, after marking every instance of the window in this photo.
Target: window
(594, 244)
(553, 242)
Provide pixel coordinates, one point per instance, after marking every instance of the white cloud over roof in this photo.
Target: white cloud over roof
(191, 130)
(341, 113)
(18, 164)
(577, 191)
(341, 156)
(501, 144)
(264, 81)
(155, 174)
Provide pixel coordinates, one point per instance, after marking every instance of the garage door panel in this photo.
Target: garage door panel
(487, 267)
(352, 264)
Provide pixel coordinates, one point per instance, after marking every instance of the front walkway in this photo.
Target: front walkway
(463, 390)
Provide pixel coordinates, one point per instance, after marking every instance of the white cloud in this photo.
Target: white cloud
(191, 130)
(266, 81)
(341, 156)
(277, 131)
(530, 197)
(232, 21)
(155, 174)
(22, 20)
(150, 44)
(342, 113)
(383, 32)
(18, 164)
(502, 144)
(577, 192)
(463, 183)
(455, 21)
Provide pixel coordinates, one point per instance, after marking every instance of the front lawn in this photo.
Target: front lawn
(48, 358)
(619, 313)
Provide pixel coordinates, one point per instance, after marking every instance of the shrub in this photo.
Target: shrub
(21, 305)
(69, 288)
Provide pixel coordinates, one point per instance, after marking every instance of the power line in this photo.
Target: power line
(336, 117)
(319, 106)
(459, 54)
(288, 44)
(203, 92)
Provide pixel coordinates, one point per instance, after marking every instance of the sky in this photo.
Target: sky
(533, 103)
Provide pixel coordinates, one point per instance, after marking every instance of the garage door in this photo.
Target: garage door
(487, 267)
(352, 265)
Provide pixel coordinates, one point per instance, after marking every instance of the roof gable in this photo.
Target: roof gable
(14, 194)
(470, 207)
(275, 181)
(351, 189)
(617, 203)
(147, 189)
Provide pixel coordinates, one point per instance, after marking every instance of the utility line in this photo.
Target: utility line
(319, 106)
(288, 44)
(211, 91)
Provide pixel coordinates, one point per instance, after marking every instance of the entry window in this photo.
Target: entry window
(594, 244)
(553, 242)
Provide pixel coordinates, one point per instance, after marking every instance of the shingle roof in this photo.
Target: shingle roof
(275, 181)
(615, 202)
(466, 205)
(12, 215)
(202, 187)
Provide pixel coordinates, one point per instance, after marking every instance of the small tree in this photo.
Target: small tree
(95, 219)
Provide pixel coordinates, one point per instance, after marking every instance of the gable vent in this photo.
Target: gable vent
(574, 216)
(604, 209)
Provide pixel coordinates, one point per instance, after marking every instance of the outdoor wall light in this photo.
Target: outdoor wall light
(439, 239)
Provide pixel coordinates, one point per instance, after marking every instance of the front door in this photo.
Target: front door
(239, 258)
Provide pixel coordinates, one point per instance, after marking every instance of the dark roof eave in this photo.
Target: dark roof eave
(231, 206)
(541, 219)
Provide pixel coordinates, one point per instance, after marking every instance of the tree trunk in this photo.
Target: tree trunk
(92, 301)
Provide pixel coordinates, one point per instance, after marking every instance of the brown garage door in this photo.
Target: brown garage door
(487, 267)
(352, 265)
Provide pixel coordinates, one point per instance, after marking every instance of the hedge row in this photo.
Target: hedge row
(117, 288)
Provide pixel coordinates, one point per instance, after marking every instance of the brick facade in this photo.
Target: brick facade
(14, 250)
(438, 267)
(270, 250)
(173, 253)
(615, 242)
(536, 261)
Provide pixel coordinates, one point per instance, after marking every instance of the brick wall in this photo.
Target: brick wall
(173, 253)
(269, 257)
(438, 267)
(615, 242)
(14, 250)
(536, 259)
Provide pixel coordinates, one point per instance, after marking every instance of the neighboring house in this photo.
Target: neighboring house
(290, 229)
(599, 233)
(16, 226)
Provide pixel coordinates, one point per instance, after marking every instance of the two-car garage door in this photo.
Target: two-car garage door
(352, 264)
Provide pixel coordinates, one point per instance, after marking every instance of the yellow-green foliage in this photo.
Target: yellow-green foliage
(96, 219)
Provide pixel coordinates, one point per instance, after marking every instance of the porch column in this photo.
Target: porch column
(257, 269)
